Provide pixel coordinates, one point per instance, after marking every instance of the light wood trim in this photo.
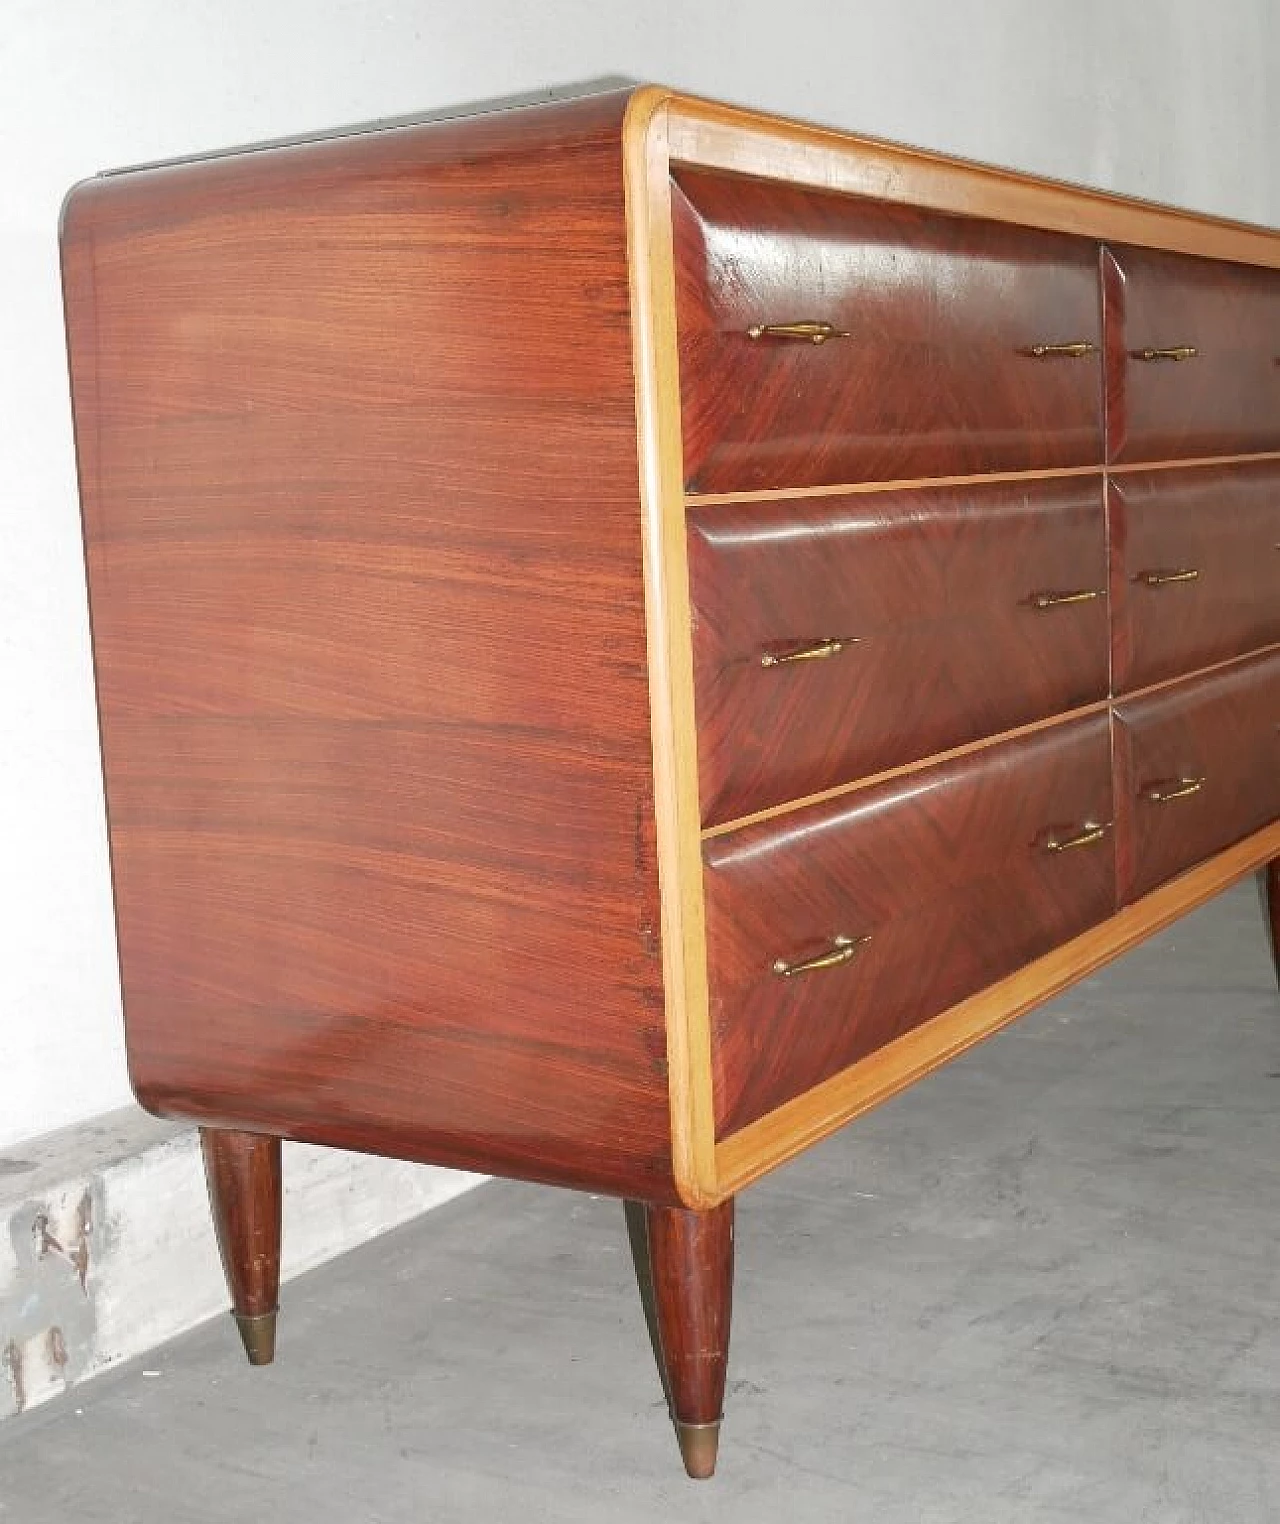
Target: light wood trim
(746, 142)
(746, 1155)
(670, 644)
(985, 478)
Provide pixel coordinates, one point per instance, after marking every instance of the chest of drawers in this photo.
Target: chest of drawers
(628, 631)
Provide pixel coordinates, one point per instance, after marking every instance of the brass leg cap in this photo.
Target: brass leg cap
(258, 1332)
(699, 1443)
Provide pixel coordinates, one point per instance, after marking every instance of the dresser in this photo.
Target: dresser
(628, 631)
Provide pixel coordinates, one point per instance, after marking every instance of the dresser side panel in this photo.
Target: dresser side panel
(356, 425)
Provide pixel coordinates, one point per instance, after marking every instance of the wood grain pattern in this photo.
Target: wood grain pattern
(244, 1179)
(1221, 524)
(378, 761)
(787, 1131)
(933, 596)
(691, 1269)
(1225, 399)
(949, 877)
(929, 304)
(1220, 734)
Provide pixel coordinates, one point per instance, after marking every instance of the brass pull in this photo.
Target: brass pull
(1055, 600)
(1161, 578)
(1180, 788)
(817, 650)
(1091, 831)
(809, 333)
(842, 950)
(1073, 351)
(1176, 352)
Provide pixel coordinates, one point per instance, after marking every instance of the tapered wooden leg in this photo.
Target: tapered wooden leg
(687, 1260)
(243, 1171)
(1273, 909)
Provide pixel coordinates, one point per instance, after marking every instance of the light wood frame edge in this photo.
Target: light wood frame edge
(677, 816)
(738, 141)
(744, 1156)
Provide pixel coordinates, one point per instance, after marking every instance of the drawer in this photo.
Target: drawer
(933, 369)
(835, 637)
(1195, 568)
(1197, 768)
(1223, 396)
(904, 898)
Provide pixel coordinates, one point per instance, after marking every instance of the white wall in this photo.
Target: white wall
(1170, 99)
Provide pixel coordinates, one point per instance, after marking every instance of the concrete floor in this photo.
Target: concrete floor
(1042, 1285)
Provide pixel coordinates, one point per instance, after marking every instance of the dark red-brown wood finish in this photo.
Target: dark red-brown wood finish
(904, 897)
(1193, 356)
(1195, 568)
(243, 1174)
(942, 362)
(1271, 884)
(946, 615)
(1197, 767)
(378, 764)
(691, 1275)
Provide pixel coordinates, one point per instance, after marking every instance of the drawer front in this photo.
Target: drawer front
(932, 371)
(1195, 568)
(838, 636)
(956, 875)
(1223, 396)
(1197, 768)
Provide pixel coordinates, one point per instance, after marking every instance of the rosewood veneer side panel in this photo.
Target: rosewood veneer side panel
(931, 371)
(950, 614)
(370, 643)
(949, 874)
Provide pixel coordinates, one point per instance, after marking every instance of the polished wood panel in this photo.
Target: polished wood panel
(950, 877)
(371, 645)
(936, 375)
(690, 1258)
(244, 1179)
(1222, 400)
(1195, 568)
(953, 611)
(1197, 768)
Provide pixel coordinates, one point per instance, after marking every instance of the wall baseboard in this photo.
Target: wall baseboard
(107, 1248)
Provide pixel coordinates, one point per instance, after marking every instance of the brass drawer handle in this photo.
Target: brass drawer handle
(1179, 788)
(843, 950)
(1074, 351)
(817, 650)
(1090, 832)
(1162, 578)
(809, 333)
(1174, 352)
(1056, 600)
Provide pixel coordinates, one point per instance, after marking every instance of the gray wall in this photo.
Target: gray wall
(1169, 99)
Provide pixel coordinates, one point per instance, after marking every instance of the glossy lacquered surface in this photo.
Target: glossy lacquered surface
(1197, 768)
(949, 875)
(1195, 568)
(371, 645)
(936, 376)
(243, 1172)
(959, 612)
(1222, 400)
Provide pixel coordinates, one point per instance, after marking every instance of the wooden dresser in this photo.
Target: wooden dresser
(628, 631)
